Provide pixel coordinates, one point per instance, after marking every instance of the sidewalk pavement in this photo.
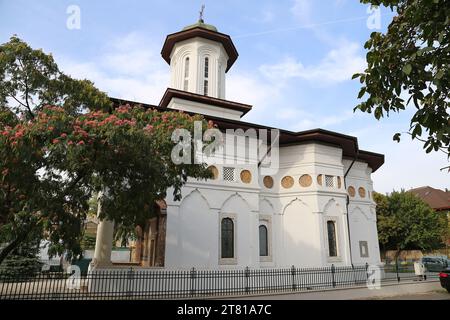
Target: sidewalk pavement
(389, 290)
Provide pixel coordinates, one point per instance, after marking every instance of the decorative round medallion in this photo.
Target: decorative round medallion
(305, 180)
(362, 192)
(351, 191)
(268, 182)
(214, 171)
(246, 176)
(287, 182)
(319, 179)
(339, 182)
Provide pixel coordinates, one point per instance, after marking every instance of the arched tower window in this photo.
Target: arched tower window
(186, 74)
(227, 238)
(206, 76)
(263, 241)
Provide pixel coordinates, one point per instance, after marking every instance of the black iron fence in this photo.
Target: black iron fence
(135, 283)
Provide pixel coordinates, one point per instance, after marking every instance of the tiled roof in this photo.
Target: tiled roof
(349, 144)
(436, 198)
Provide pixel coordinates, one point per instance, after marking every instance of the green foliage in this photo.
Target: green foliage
(55, 159)
(410, 62)
(23, 262)
(88, 242)
(404, 222)
(31, 79)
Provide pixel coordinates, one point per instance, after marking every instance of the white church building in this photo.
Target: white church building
(314, 210)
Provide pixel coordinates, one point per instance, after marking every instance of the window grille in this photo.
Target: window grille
(229, 174)
(329, 181)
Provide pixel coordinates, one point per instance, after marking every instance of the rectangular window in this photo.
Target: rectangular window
(186, 84)
(332, 246)
(329, 181)
(363, 249)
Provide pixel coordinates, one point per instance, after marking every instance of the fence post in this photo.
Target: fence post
(192, 282)
(247, 275)
(332, 275)
(130, 276)
(367, 274)
(396, 269)
(293, 278)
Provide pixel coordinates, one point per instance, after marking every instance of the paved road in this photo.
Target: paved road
(434, 295)
(423, 290)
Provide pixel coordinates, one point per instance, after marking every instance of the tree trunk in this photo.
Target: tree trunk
(397, 254)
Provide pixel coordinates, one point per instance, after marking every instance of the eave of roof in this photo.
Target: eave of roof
(348, 144)
(174, 93)
(225, 39)
(373, 159)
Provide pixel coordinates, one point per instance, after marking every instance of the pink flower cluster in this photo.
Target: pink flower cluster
(124, 109)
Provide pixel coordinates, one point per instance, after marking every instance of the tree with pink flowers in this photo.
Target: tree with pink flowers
(61, 142)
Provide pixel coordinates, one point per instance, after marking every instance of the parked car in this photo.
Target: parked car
(444, 277)
(435, 264)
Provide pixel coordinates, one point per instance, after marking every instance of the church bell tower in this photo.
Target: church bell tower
(199, 57)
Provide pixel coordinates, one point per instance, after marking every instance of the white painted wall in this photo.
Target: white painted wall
(201, 108)
(197, 49)
(362, 214)
(297, 216)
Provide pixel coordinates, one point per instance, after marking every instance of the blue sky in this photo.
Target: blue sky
(296, 58)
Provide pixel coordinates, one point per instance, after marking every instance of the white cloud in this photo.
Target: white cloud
(287, 113)
(302, 10)
(408, 166)
(252, 89)
(338, 65)
(128, 68)
(312, 121)
(406, 163)
(138, 73)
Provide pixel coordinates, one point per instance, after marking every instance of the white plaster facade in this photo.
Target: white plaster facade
(187, 66)
(296, 218)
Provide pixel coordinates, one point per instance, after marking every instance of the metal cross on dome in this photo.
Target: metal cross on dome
(201, 13)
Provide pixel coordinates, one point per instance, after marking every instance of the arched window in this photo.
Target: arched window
(263, 241)
(332, 247)
(186, 74)
(206, 76)
(227, 238)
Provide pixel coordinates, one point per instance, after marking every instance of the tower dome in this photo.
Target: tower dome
(201, 24)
